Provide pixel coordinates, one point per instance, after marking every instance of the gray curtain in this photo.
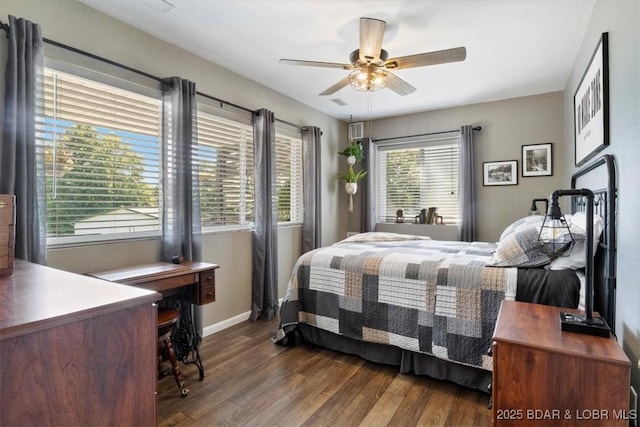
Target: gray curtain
(181, 236)
(264, 292)
(467, 186)
(311, 225)
(21, 159)
(367, 188)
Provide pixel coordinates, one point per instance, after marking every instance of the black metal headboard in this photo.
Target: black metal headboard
(604, 290)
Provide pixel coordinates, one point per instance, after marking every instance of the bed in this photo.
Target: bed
(429, 306)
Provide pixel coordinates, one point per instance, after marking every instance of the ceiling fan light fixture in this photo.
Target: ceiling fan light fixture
(369, 79)
(370, 69)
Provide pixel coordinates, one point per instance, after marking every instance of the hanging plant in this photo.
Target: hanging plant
(351, 175)
(354, 150)
(351, 185)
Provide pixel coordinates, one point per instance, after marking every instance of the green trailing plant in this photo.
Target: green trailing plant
(356, 150)
(351, 175)
(353, 149)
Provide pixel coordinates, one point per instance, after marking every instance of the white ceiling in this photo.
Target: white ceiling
(514, 47)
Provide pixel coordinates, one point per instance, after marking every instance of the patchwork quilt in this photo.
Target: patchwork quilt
(433, 297)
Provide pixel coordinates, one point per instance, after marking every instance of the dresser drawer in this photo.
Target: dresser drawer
(207, 291)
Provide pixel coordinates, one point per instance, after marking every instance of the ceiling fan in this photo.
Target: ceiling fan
(370, 66)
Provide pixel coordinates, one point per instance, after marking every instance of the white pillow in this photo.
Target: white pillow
(576, 257)
(579, 219)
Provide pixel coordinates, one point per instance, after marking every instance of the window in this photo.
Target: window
(224, 159)
(101, 147)
(418, 175)
(289, 177)
(99, 130)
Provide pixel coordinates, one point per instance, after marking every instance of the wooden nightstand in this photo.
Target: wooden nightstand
(544, 376)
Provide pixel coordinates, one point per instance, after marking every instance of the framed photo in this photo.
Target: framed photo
(536, 160)
(503, 172)
(591, 105)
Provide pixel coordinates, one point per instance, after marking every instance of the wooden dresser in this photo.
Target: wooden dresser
(75, 350)
(544, 376)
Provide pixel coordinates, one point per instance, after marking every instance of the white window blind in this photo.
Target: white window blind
(224, 158)
(101, 146)
(418, 175)
(289, 177)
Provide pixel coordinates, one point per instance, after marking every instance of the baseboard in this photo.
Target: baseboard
(227, 323)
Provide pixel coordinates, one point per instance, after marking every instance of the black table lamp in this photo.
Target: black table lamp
(587, 323)
(534, 208)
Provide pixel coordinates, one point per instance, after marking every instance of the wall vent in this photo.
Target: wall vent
(356, 131)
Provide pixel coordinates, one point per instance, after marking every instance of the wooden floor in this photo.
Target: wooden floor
(249, 381)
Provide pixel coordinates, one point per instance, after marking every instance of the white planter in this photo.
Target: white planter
(351, 160)
(351, 187)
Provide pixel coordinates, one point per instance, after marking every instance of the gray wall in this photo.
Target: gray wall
(77, 25)
(621, 19)
(506, 126)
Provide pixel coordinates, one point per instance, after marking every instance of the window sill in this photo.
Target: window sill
(58, 244)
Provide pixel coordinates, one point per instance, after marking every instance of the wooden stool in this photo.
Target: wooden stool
(166, 319)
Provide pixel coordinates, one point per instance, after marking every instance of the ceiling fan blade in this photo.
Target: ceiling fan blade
(398, 85)
(336, 87)
(371, 36)
(317, 64)
(430, 58)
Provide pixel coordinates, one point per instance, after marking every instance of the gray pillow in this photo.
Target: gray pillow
(519, 245)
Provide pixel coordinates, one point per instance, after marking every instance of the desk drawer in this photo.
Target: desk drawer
(207, 290)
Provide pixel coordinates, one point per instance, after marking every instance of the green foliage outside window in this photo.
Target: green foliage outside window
(89, 174)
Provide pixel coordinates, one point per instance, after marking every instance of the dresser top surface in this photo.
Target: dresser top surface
(36, 297)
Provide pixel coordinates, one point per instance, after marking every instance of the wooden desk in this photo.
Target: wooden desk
(75, 350)
(190, 283)
(165, 277)
(545, 376)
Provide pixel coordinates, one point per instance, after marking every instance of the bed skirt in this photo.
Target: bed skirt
(408, 362)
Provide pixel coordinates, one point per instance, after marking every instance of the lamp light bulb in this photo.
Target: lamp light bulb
(556, 230)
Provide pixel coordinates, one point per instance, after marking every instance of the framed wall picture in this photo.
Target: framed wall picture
(591, 105)
(536, 160)
(503, 172)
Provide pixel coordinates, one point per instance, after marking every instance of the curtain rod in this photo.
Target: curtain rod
(213, 98)
(476, 128)
(291, 124)
(294, 125)
(6, 28)
(100, 58)
(135, 70)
